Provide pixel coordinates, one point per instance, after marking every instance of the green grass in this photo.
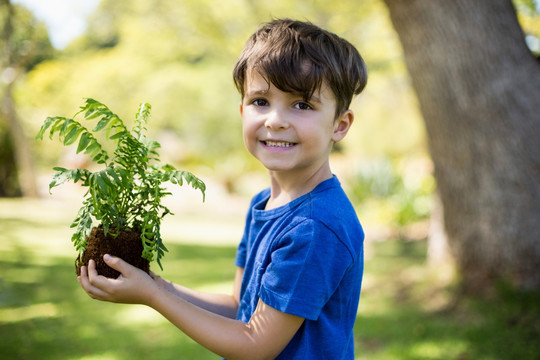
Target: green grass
(407, 309)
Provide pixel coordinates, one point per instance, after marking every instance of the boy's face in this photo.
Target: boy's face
(286, 133)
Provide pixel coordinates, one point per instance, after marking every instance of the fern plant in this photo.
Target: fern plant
(126, 194)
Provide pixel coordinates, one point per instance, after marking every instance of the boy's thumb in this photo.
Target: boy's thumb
(115, 262)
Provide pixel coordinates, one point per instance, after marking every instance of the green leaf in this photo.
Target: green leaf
(58, 123)
(114, 175)
(95, 151)
(104, 176)
(93, 148)
(168, 168)
(63, 175)
(102, 123)
(77, 175)
(72, 136)
(117, 135)
(83, 141)
(48, 122)
(178, 177)
(101, 184)
(66, 126)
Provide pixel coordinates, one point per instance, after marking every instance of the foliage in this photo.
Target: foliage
(404, 197)
(29, 42)
(181, 55)
(127, 193)
(24, 43)
(529, 19)
(185, 69)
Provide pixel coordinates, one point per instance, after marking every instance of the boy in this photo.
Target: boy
(300, 261)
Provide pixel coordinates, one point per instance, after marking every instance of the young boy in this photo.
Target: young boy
(300, 261)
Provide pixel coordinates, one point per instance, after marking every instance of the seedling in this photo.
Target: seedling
(126, 194)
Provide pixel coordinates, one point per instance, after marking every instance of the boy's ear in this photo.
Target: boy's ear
(241, 109)
(342, 125)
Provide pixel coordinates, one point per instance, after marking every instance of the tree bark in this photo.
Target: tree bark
(22, 152)
(23, 155)
(478, 87)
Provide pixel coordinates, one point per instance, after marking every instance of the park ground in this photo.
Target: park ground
(408, 310)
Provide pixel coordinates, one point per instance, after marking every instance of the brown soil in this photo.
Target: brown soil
(127, 245)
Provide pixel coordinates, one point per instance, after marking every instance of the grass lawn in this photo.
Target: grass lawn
(407, 310)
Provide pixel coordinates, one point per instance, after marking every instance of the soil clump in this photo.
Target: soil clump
(127, 246)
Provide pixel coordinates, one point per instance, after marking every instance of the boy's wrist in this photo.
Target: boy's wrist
(153, 292)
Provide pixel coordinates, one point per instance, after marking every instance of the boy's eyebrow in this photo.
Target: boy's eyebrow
(257, 92)
(314, 99)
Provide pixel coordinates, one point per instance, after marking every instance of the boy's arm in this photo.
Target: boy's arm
(265, 336)
(225, 305)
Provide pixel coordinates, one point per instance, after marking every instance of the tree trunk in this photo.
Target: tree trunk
(478, 88)
(22, 152)
(21, 149)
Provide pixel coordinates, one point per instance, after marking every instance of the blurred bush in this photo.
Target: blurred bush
(390, 194)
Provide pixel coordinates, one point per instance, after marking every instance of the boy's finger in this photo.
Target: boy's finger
(92, 270)
(116, 263)
(96, 280)
(93, 291)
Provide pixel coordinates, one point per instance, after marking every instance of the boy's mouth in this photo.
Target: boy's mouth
(278, 144)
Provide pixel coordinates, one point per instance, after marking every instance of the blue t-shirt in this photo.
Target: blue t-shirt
(305, 258)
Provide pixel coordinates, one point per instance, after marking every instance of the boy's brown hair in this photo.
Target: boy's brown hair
(298, 56)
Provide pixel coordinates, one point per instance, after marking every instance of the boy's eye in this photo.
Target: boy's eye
(259, 102)
(303, 106)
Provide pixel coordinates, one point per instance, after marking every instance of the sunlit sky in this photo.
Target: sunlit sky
(65, 19)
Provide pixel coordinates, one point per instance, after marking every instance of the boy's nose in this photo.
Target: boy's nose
(275, 120)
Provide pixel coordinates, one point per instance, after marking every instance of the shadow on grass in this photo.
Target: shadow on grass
(44, 314)
(408, 327)
(410, 333)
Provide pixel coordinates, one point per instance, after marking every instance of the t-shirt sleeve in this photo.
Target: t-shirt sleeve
(241, 251)
(307, 264)
(240, 259)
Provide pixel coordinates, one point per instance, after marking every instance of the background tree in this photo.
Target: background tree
(24, 43)
(179, 57)
(478, 87)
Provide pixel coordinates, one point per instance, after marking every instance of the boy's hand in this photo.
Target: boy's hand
(161, 282)
(133, 286)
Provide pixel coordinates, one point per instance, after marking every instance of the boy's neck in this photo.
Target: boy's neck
(286, 186)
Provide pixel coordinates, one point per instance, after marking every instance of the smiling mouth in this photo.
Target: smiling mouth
(278, 144)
